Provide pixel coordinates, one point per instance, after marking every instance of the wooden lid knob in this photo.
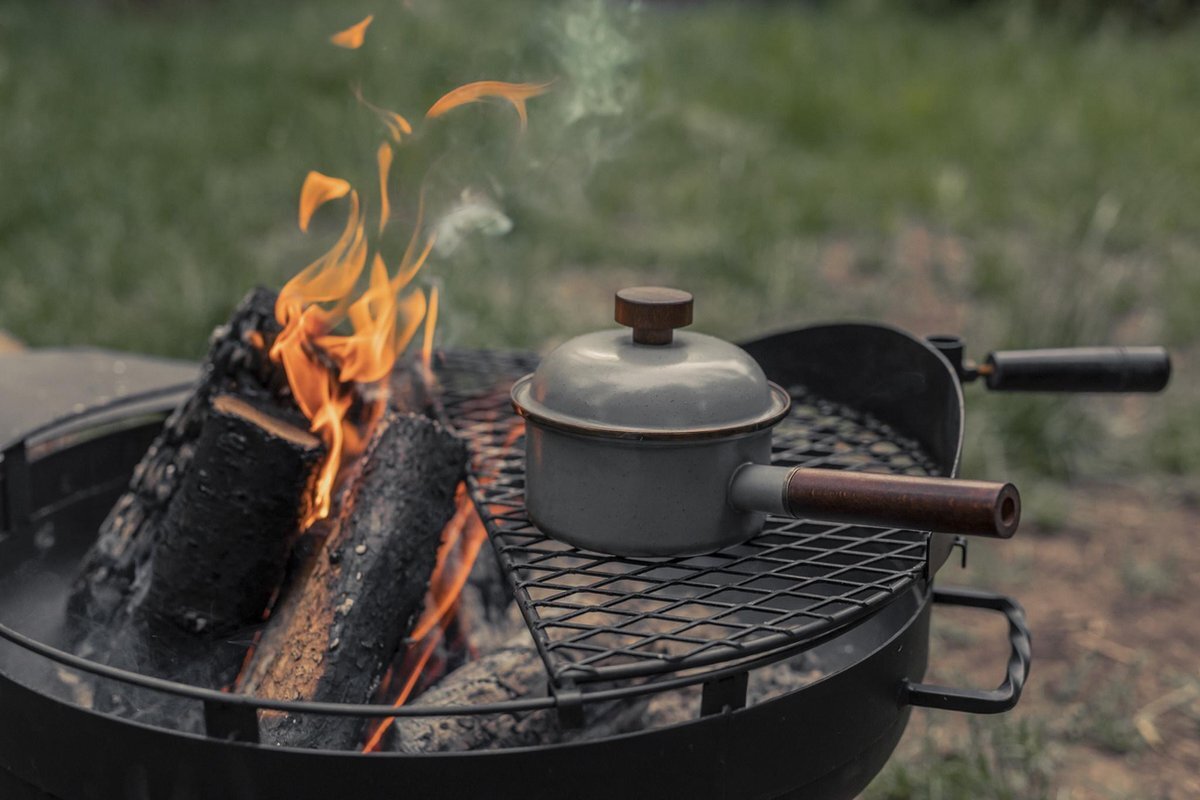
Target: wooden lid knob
(653, 312)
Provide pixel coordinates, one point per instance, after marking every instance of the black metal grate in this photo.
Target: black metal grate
(598, 617)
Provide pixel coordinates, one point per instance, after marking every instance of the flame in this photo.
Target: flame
(515, 93)
(338, 345)
(323, 366)
(352, 37)
(430, 325)
(318, 190)
(397, 126)
(460, 545)
(383, 157)
(462, 539)
(414, 673)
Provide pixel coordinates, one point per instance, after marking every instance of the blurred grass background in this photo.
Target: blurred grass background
(1021, 176)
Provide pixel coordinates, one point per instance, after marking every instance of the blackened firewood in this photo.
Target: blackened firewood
(510, 673)
(237, 364)
(223, 542)
(344, 616)
(227, 531)
(507, 674)
(515, 672)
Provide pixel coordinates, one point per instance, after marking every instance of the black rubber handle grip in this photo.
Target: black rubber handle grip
(1079, 369)
(975, 701)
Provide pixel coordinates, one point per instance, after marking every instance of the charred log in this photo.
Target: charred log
(236, 364)
(222, 546)
(516, 671)
(227, 533)
(510, 673)
(507, 674)
(346, 611)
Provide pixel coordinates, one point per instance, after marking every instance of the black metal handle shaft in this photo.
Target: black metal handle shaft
(1078, 369)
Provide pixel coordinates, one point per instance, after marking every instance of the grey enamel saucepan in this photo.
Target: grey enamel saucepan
(653, 442)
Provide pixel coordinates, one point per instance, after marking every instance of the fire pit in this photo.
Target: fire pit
(784, 665)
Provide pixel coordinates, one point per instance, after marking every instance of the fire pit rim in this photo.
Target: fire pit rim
(215, 696)
(713, 667)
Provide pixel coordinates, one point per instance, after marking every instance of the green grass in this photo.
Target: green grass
(151, 161)
(998, 759)
(1150, 579)
(1104, 714)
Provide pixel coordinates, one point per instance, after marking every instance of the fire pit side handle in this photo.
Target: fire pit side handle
(974, 701)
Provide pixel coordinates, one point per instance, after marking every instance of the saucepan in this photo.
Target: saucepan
(651, 442)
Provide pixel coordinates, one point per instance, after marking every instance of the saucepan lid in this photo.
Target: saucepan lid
(650, 382)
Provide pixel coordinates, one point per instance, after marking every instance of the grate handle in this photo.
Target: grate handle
(1078, 369)
(947, 505)
(975, 701)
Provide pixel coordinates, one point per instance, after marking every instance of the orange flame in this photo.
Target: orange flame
(333, 342)
(318, 299)
(515, 93)
(397, 126)
(352, 37)
(383, 157)
(318, 190)
(414, 674)
(430, 325)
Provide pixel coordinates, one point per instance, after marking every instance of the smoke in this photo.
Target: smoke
(591, 43)
(584, 49)
(474, 213)
(522, 205)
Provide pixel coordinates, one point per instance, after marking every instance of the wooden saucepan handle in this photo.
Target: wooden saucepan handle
(946, 505)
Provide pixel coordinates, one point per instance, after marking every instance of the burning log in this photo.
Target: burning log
(222, 547)
(237, 364)
(192, 553)
(346, 611)
(221, 551)
(227, 533)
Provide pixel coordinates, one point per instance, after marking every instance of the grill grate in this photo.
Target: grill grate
(597, 617)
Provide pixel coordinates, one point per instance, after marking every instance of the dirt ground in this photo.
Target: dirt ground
(1110, 593)
(1115, 682)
